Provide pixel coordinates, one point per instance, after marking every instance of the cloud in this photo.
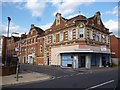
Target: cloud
(114, 11)
(14, 1)
(36, 7)
(68, 6)
(46, 26)
(112, 26)
(13, 28)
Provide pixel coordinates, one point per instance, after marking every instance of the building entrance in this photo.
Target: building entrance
(82, 58)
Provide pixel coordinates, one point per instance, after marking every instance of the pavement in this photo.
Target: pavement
(27, 77)
(32, 76)
(96, 69)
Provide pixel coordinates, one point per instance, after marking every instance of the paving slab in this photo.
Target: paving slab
(24, 78)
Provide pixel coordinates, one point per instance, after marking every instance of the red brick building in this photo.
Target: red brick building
(3, 45)
(8, 47)
(77, 42)
(115, 49)
(32, 46)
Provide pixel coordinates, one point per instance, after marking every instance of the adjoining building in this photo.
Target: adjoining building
(115, 49)
(8, 48)
(1, 49)
(31, 46)
(77, 42)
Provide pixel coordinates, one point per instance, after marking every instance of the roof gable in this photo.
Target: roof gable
(96, 21)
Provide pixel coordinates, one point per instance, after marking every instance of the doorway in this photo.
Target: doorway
(82, 61)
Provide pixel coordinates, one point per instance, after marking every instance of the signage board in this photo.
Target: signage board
(103, 48)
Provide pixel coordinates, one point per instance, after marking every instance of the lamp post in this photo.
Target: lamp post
(17, 69)
(9, 19)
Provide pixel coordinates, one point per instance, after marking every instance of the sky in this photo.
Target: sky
(41, 13)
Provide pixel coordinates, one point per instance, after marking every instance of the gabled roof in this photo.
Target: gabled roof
(39, 30)
(93, 22)
(64, 22)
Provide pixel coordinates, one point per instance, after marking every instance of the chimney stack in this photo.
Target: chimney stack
(32, 25)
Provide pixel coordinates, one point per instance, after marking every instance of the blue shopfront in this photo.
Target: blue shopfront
(84, 60)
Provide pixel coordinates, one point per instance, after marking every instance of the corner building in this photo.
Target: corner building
(79, 42)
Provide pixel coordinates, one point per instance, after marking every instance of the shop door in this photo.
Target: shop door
(82, 59)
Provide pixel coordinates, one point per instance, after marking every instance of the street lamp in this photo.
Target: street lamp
(17, 69)
(9, 19)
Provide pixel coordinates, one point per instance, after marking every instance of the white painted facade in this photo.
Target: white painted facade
(56, 54)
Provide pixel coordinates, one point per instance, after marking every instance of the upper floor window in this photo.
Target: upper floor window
(48, 39)
(57, 20)
(107, 39)
(61, 36)
(29, 41)
(97, 36)
(38, 39)
(70, 35)
(80, 33)
(54, 38)
(103, 38)
(34, 39)
(90, 34)
(41, 48)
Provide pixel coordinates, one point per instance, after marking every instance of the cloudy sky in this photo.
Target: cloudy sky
(23, 13)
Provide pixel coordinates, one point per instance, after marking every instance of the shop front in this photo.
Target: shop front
(84, 60)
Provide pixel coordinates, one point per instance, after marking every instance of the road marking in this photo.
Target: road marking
(59, 77)
(81, 73)
(100, 84)
(65, 76)
(53, 77)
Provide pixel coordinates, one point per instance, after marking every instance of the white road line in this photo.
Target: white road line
(59, 77)
(65, 76)
(53, 77)
(100, 84)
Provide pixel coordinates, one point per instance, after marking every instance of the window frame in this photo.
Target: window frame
(81, 34)
(41, 49)
(70, 33)
(90, 33)
(61, 36)
(54, 38)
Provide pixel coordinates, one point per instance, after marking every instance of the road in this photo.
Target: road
(72, 79)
